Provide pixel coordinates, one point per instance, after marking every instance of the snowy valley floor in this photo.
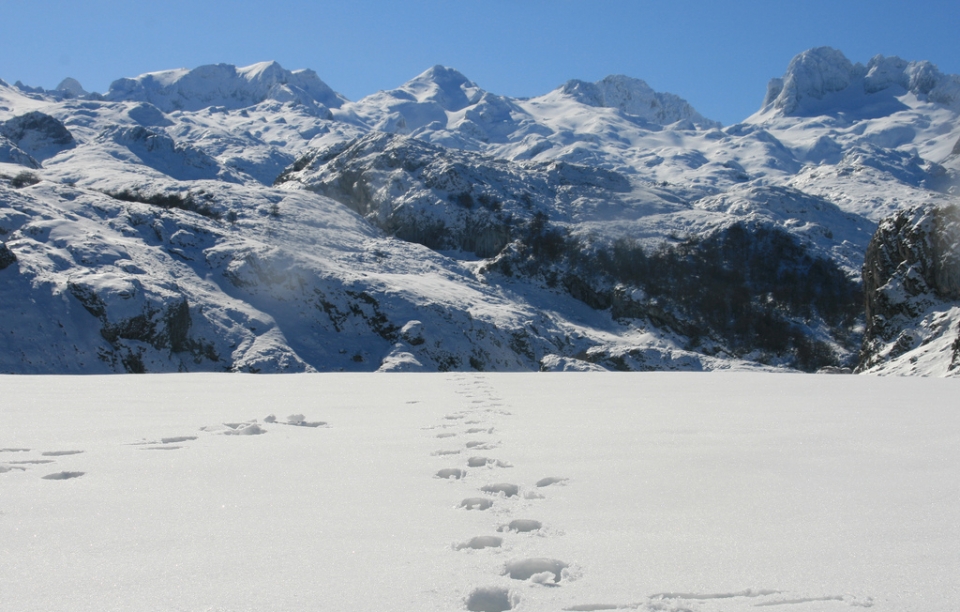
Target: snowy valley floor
(700, 492)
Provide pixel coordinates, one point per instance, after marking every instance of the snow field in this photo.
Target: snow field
(697, 492)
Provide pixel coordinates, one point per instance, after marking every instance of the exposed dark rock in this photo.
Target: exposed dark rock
(911, 264)
(443, 198)
(7, 257)
(38, 134)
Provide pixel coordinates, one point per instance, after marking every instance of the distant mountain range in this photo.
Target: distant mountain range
(253, 219)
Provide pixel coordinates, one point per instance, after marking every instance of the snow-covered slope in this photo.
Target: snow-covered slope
(479, 493)
(253, 219)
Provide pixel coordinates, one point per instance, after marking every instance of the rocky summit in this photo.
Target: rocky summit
(251, 219)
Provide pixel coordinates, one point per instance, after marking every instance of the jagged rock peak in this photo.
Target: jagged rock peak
(447, 87)
(72, 87)
(634, 97)
(225, 85)
(818, 72)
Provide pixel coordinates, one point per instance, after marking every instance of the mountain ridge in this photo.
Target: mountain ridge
(251, 219)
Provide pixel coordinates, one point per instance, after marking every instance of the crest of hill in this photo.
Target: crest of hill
(635, 97)
(823, 79)
(227, 86)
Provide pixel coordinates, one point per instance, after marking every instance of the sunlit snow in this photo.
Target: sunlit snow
(446, 492)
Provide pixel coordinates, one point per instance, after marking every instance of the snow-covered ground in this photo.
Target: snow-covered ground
(664, 491)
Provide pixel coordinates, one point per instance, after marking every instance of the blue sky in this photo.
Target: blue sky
(717, 55)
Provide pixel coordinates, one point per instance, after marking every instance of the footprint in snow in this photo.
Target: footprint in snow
(487, 462)
(550, 480)
(14, 450)
(491, 599)
(443, 453)
(507, 489)
(446, 435)
(521, 526)
(455, 473)
(61, 453)
(547, 572)
(476, 503)
(247, 428)
(297, 420)
(10, 468)
(481, 542)
(476, 430)
(63, 475)
(480, 445)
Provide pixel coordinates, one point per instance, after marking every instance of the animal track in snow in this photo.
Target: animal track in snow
(9, 468)
(441, 453)
(697, 596)
(63, 475)
(480, 445)
(14, 450)
(476, 430)
(595, 607)
(491, 599)
(546, 482)
(481, 542)
(544, 571)
(32, 462)
(484, 462)
(476, 503)
(162, 448)
(521, 526)
(455, 473)
(446, 435)
(509, 490)
(177, 439)
(246, 428)
(299, 420)
(61, 453)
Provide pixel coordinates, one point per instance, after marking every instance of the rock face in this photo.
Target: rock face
(37, 134)
(814, 74)
(912, 267)
(446, 199)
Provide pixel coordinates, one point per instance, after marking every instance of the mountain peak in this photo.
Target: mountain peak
(817, 73)
(444, 85)
(225, 85)
(634, 97)
(72, 87)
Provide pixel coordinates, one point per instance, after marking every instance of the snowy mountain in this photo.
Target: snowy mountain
(252, 219)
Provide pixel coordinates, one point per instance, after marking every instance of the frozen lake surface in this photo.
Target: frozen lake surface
(445, 492)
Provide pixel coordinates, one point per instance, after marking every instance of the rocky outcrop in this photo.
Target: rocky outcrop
(442, 198)
(7, 257)
(37, 134)
(912, 266)
(816, 73)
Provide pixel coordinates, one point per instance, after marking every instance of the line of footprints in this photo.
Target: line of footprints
(470, 423)
(240, 428)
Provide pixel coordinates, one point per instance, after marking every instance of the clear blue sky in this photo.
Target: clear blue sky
(717, 55)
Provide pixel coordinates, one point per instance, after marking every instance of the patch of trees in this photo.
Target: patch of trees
(168, 200)
(753, 288)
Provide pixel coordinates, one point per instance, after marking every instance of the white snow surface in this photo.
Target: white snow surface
(644, 492)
